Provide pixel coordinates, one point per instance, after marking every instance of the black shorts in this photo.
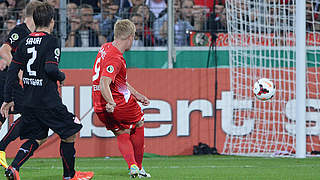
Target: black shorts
(36, 123)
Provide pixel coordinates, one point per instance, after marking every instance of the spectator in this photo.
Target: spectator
(199, 17)
(316, 17)
(3, 12)
(245, 13)
(309, 18)
(196, 15)
(148, 16)
(104, 2)
(20, 4)
(56, 5)
(72, 10)
(219, 23)
(11, 5)
(129, 11)
(180, 28)
(156, 6)
(72, 15)
(21, 16)
(187, 10)
(86, 35)
(93, 3)
(143, 35)
(124, 4)
(106, 19)
(9, 24)
(74, 25)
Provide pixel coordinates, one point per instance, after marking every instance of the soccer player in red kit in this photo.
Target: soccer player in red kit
(115, 101)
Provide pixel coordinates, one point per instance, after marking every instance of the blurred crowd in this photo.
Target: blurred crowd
(89, 23)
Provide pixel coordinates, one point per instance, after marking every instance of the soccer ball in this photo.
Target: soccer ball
(264, 89)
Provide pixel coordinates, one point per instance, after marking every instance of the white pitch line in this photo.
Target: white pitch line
(161, 158)
(175, 167)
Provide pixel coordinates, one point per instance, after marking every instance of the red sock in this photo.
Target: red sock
(126, 149)
(137, 140)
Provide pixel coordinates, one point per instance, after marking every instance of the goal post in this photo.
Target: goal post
(301, 79)
(269, 39)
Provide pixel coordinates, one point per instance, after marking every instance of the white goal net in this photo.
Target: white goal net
(262, 45)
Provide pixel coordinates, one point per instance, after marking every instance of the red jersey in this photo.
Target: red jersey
(110, 63)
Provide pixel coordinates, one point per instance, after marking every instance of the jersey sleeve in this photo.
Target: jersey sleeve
(14, 37)
(12, 76)
(53, 53)
(52, 59)
(18, 58)
(111, 68)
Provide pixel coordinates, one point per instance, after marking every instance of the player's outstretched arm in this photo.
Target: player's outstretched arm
(5, 53)
(141, 98)
(106, 93)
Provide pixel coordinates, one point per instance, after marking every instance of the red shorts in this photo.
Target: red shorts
(112, 124)
(124, 116)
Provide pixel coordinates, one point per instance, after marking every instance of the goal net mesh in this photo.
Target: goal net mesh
(262, 45)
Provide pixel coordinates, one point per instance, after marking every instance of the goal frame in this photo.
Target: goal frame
(300, 79)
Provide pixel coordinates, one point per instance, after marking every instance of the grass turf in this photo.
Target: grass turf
(183, 167)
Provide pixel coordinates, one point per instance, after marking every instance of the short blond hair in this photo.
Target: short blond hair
(123, 29)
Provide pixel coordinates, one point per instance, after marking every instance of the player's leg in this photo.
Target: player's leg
(14, 130)
(35, 133)
(126, 148)
(26, 150)
(137, 139)
(67, 152)
(12, 134)
(123, 139)
(66, 125)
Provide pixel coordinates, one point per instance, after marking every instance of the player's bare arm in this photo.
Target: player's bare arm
(5, 53)
(141, 98)
(106, 93)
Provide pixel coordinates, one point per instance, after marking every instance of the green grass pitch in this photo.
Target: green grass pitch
(183, 167)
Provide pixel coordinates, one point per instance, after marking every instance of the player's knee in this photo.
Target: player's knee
(41, 141)
(69, 139)
(140, 123)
